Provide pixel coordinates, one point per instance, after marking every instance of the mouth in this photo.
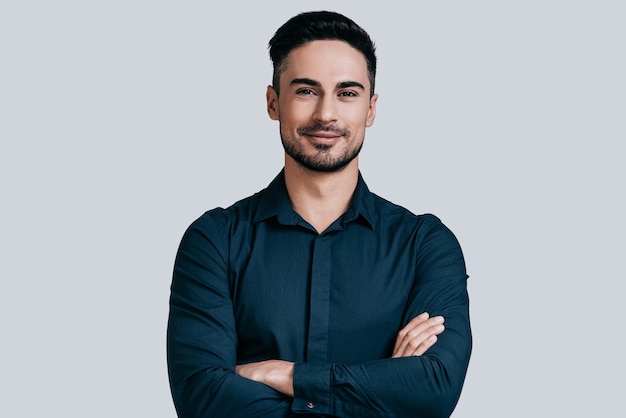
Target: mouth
(324, 134)
(323, 137)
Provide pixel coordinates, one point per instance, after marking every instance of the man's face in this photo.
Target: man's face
(324, 105)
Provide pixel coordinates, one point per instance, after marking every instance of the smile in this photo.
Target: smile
(323, 138)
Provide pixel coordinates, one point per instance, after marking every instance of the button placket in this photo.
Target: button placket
(319, 299)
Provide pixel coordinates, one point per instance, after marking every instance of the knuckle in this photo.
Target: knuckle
(413, 333)
(414, 344)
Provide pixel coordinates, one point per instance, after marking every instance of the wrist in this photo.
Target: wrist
(280, 377)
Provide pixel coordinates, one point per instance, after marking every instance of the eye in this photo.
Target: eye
(305, 92)
(348, 93)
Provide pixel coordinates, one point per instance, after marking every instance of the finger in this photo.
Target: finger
(413, 339)
(415, 327)
(412, 335)
(426, 343)
(423, 347)
(411, 346)
(417, 346)
(413, 323)
(410, 331)
(417, 320)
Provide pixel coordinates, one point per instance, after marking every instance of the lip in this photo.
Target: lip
(322, 137)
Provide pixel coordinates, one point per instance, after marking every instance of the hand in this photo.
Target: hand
(277, 374)
(418, 336)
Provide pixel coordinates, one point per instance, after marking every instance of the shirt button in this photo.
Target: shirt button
(310, 405)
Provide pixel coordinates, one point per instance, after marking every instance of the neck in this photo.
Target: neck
(320, 198)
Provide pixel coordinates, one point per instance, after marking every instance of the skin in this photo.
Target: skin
(323, 114)
(323, 109)
(413, 340)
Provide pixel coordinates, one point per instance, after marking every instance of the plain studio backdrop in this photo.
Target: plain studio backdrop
(123, 121)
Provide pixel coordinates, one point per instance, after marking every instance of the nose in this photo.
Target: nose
(326, 109)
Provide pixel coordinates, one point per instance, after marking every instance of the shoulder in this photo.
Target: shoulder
(388, 211)
(224, 218)
(418, 228)
(219, 223)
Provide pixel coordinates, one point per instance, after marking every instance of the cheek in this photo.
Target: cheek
(356, 113)
(292, 123)
(297, 111)
(358, 119)
(288, 116)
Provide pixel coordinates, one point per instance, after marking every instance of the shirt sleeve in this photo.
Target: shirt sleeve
(428, 386)
(202, 339)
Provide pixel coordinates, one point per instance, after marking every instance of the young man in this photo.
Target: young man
(315, 295)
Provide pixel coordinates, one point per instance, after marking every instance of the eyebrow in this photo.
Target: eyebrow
(347, 84)
(314, 83)
(306, 81)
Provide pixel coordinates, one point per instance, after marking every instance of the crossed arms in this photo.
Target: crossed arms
(413, 340)
(423, 376)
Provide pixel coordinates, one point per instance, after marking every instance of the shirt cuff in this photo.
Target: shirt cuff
(311, 387)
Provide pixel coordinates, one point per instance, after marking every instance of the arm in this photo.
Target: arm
(408, 384)
(202, 339)
(413, 340)
(426, 386)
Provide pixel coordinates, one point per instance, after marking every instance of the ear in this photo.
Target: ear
(371, 112)
(272, 103)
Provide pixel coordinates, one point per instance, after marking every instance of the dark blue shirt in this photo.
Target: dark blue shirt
(256, 282)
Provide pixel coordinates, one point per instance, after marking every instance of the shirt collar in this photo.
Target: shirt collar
(275, 203)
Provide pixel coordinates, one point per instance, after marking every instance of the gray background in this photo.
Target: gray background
(122, 121)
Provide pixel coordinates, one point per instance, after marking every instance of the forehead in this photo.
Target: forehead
(324, 60)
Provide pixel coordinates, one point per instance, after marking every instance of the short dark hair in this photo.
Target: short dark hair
(319, 26)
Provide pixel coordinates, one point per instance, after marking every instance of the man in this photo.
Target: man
(315, 295)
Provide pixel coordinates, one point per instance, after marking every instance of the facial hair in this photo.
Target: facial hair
(322, 161)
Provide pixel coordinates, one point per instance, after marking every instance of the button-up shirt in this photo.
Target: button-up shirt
(256, 281)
